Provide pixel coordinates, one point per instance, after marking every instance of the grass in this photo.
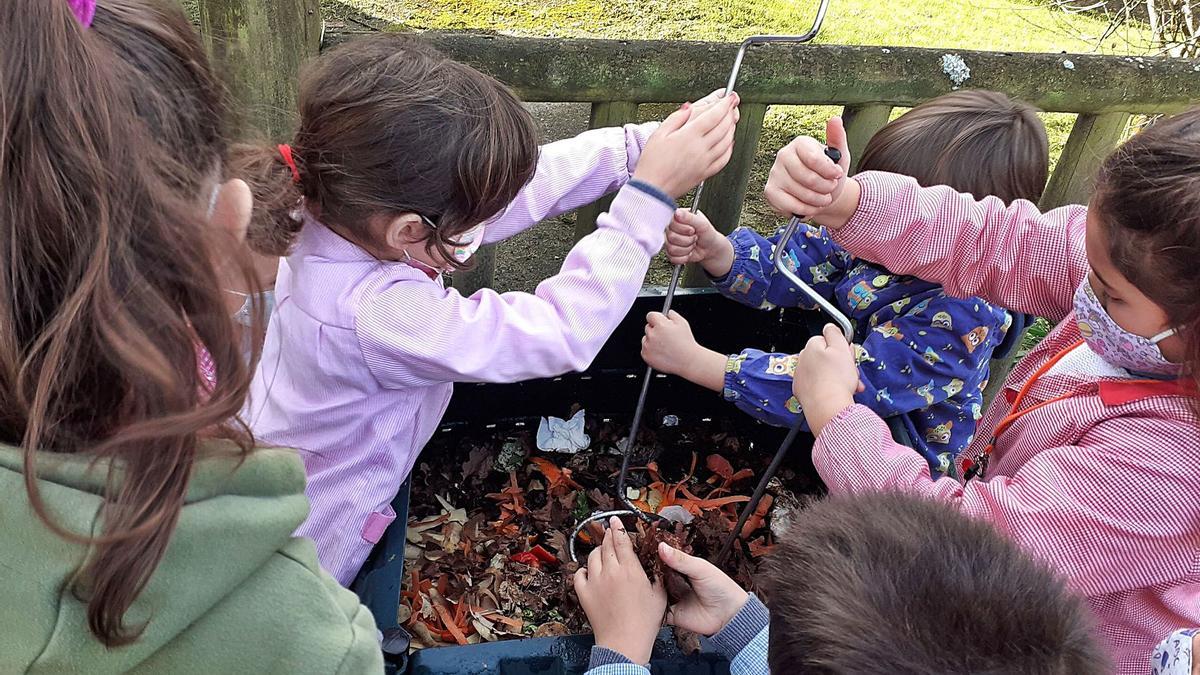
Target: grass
(1007, 25)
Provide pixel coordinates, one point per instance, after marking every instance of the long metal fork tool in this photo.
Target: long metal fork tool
(630, 508)
(842, 321)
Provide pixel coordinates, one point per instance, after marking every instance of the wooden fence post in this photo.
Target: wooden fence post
(1092, 138)
(260, 45)
(725, 192)
(862, 121)
(604, 114)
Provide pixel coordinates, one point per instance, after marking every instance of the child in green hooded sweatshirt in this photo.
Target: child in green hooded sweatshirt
(142, 531)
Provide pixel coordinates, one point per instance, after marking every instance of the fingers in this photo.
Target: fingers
(835, 137)
(609, 548)
(685, 221)
(783, 203)
(655, 319)
(682, 239)
(815, 342)
(718, 164)
(689, 566)
(677, 317)
(580, 579)
(677, 119)
(711, 98)
(808, 171)
(723, 131)
(835, 339)
(622, 544)
(595, 564)
(712, 117)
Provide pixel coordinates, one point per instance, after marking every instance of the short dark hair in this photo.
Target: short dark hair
(888, 583)
(975, 141)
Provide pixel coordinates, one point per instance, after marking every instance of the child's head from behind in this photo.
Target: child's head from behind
(975, 141)
(887, 583)
(110, 148)
(1143, 237)
(399, 149)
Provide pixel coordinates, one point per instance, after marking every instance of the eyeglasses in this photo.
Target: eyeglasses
(428, 221)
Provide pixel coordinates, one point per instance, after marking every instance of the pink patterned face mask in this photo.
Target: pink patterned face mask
(1116, 345)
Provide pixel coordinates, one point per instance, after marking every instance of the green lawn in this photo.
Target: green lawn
(1005, 25)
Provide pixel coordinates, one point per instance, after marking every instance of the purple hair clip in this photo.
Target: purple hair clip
(85, 11)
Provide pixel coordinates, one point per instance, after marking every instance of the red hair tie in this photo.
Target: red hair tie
(285, 151)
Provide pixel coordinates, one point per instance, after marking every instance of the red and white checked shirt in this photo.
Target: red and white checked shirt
(1105, 484)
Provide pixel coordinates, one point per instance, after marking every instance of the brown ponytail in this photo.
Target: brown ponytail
(274, 221)
(111, 283)
(389, 125)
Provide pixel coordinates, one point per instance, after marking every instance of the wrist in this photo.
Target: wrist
(720, 261)
(837, 214)
(651, 177)
(731, 609)
(637, 651)
(705, 368)
(820, 410)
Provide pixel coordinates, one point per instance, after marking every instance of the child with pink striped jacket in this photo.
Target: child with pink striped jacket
(1089, 458)
(404, 163)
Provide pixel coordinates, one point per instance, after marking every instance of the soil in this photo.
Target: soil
(488, 555)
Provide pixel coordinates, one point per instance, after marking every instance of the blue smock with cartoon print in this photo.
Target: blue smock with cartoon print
(922, 355)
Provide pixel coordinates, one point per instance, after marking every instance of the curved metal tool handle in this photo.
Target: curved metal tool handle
(834, 313)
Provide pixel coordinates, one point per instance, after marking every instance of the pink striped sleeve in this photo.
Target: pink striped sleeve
(416, 334)
(1112, 513)
(1012, 255)
(571, 173)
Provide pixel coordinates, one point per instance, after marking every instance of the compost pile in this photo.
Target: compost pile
(490, 518)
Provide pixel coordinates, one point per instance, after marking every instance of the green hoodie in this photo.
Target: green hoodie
(235, 592)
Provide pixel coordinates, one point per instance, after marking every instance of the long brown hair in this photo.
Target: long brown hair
(1147, 197)
(111, 285)
(975, 141)
(388, 125)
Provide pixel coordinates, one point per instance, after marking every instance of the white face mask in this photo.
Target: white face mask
(469, 243)
(244, 313)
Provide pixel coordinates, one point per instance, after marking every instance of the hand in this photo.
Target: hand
(625, 610)
(668, 345)
(715, 598)
(692, 144)
(804, 182)
(691, 238)
(826, 378)
(712, 98)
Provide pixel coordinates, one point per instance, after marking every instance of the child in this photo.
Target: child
(1089, 457)
(922, 355)
(141, 533)
(404, 163)
(877, 583)
(1178, 654)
